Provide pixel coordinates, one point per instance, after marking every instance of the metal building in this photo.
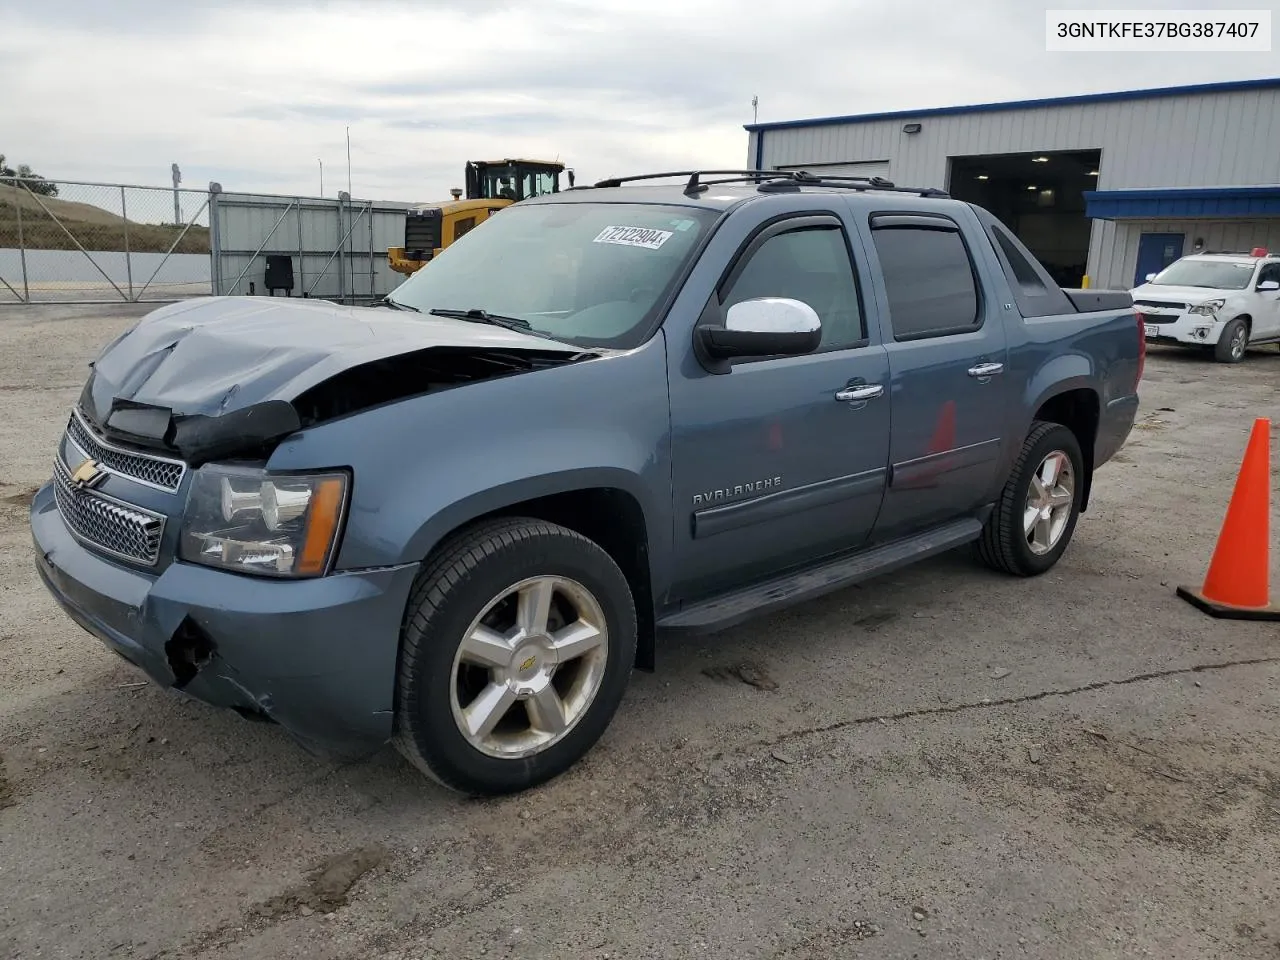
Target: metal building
(1104, 188)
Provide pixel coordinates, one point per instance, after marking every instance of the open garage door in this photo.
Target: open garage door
(1040, 197)
(864, 168)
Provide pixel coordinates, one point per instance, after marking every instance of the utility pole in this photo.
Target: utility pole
(321, 162)
(177, 206)
(348, 161)
(755, 109)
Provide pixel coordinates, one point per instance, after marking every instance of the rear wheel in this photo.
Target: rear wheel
(1233, 343)
(517, 649)
(1036, 514)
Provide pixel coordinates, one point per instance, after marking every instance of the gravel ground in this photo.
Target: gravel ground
(940, 763)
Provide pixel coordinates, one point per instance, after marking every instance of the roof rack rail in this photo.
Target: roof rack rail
(775, 181)
(1238, 253)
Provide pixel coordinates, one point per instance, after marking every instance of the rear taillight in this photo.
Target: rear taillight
(1142, 347)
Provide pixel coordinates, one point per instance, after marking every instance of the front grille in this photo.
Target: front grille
(104, 522)
(1160, 304)
(153, 471)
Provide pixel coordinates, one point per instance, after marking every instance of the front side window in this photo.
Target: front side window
(1211, 274)
(812, 265)
(929, 280)
(1270, 272)
(591, 274)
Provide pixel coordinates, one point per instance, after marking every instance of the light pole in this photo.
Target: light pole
(177, 206)
(321, 162)
(348, 161)
(755, 109)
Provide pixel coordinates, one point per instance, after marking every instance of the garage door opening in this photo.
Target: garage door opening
(1040, 197)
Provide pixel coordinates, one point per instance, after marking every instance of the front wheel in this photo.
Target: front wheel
(517, 648)
(1233, 343)
(1036, 514)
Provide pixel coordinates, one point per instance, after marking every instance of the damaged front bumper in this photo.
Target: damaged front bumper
(316, 656)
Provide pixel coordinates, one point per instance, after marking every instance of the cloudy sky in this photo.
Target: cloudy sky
(254, 94)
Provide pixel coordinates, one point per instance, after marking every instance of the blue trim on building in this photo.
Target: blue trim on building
(1230, 86)
(1195, 203)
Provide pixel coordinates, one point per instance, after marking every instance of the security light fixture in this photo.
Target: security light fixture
(982, 176)
(1039, 159)
(911, 128)
(1031, 187)
(1092, 173)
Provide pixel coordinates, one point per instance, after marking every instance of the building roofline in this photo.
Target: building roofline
(1183, 203)
(1226, 86)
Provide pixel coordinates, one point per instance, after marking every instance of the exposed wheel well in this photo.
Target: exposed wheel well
(614, 520)
(1248, 321)
(1079, 411)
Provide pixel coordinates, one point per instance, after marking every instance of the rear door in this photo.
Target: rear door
(946, 343)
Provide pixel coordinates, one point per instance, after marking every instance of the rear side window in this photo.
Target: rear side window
(930, 281)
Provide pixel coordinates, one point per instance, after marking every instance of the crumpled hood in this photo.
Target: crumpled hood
(222, 354)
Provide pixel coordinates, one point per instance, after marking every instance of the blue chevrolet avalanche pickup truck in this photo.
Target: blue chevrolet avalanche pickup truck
(457, 520)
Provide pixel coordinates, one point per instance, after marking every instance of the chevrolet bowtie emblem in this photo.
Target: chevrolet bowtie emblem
(88, 474)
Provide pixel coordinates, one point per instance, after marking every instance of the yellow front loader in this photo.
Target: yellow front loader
(490, 186)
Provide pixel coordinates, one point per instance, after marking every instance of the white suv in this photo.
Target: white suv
(1227, 301)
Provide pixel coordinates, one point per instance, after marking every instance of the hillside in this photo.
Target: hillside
(94, 227)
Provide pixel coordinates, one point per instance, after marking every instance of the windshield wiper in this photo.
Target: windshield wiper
(476, 315)
(394, 304)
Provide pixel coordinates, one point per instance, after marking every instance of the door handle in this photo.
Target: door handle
(986, 370)
(868, 391)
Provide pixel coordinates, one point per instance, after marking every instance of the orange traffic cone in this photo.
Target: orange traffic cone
(1236, 585)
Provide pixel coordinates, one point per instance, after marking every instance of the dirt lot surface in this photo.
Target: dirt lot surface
(941, 763)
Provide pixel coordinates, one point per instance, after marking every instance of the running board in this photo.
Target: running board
(730, 609)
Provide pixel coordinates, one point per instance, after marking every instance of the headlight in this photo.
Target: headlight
(1206, 309)
(282, 525)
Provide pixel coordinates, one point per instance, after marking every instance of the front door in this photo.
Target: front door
(947, 354)
(1266, 321)
(1155, 252)
(773, 464)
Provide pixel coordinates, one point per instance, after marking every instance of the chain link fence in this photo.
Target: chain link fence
(77, 242)
(70, 241)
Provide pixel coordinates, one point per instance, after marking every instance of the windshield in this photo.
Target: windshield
(1214, 274)
(590, 274)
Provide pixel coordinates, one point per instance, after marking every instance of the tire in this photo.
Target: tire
(436, 683)
(1233, 343)
(1006, 545)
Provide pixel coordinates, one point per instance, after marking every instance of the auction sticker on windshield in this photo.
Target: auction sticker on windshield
(645, 237)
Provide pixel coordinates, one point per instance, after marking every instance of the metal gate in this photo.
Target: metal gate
(330, 249)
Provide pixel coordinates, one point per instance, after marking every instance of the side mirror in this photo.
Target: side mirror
(1150, 277)
(764, 327)
(1269, 285)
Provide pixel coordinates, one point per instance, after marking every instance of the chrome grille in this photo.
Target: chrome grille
(104, 522)
(153, 471)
